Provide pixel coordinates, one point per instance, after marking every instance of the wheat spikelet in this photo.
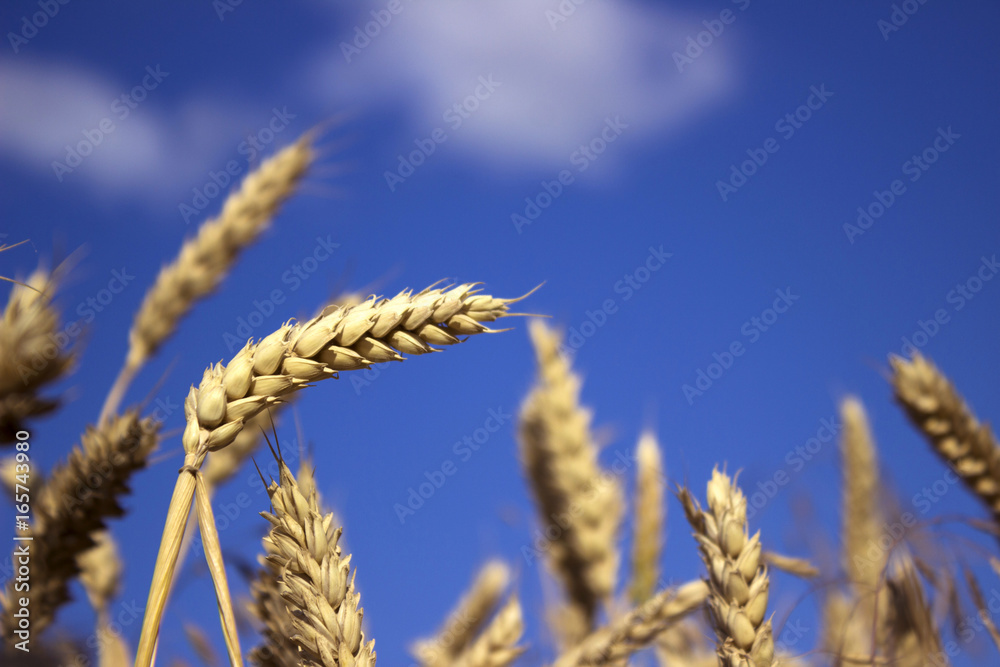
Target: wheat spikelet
(73, 504)
(612, 644)
(314, 579)
(738, 582)
(497, 645)
(647, 542)
(206, 259)
(466, 619)
(571, 490)
(31, 354)
(935, 407)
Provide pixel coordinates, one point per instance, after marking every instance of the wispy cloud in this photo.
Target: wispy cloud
(559, 79)
(72, 124)
(558, 83)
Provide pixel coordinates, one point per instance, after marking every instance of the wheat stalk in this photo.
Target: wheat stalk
(32, 352)
(612, 644)
(100, 574)
(314, 578)
(738, 582)
(559, 456)
(650, 516)
(206, 259)
(936, 408)
(71, 506)
(291, 358)
(466, 619)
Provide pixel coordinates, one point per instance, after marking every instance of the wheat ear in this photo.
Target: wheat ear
(206, 259)
(559, 456)
(936, 408)
(466, 619)
(100, 574)
(650, 517)
(31, 354)
(612, 644)
(74, 503)
(914, 636)
(291, 358)
(738, 582)
(497, 645)
(314, 578)
(862, 521)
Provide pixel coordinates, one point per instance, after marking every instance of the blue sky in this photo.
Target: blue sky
(743, 161)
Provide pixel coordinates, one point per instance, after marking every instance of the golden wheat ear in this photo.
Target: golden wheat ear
(938, 411)
(314, 579)
(32, 352)
(650, 518)
(68, 510)
(559, 457)
(613, 644)
(466, 619)
(738, 582)
(862, 523)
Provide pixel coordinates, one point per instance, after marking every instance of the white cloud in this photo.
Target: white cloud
(49, 106)
(557, 85)
(556, 89)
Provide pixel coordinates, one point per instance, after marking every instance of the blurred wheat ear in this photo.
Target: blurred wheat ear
(571, 490)
(206, 259)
